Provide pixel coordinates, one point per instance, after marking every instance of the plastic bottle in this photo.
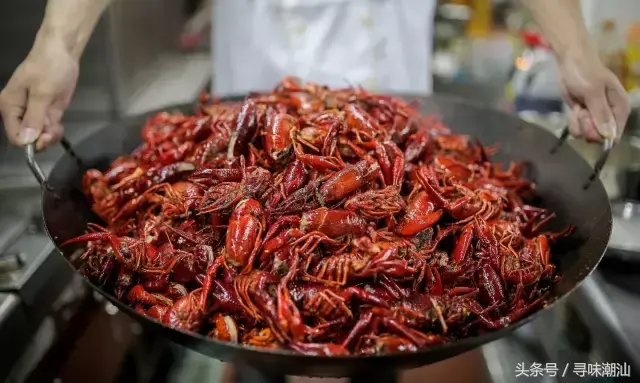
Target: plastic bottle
(533, 86)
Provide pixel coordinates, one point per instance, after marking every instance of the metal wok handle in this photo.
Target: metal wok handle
(30, 154)
(600, 162)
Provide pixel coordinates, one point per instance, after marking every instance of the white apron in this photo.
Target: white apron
(383, 45)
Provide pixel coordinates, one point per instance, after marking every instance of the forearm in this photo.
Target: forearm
(562, 25)
(71, 22)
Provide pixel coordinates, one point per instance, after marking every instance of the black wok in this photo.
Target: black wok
(560, 178)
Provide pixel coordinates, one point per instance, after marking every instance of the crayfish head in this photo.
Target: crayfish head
(225, 329)
(290, 84)
(543, 249)
(256, 182)
(95, 185)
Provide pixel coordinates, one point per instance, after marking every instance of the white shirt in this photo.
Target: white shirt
(382, 45)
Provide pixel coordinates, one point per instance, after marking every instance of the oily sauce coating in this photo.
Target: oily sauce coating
(324, 221)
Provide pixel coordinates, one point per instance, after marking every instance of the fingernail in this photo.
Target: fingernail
(43, 141)
(27, 136)
(607, 130)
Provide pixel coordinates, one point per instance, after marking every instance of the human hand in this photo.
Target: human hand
(599, 103)
(35, 98)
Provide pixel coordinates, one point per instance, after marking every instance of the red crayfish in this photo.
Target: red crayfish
(324, 221)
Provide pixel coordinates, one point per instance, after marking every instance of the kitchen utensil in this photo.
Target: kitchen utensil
(559, 177)
(617, 175)
(600, 162)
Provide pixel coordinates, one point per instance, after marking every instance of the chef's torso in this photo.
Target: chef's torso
(382, 45)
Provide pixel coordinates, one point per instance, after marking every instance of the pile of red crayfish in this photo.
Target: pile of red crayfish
(327, 222)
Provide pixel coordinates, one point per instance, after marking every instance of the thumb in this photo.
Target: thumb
(601, 114)
(34, 118)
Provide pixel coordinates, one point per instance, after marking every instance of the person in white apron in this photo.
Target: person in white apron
(383, 45)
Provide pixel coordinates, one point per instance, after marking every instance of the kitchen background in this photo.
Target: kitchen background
(54, 329)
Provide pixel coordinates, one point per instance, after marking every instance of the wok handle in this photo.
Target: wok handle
(600, 162)
(30, 154)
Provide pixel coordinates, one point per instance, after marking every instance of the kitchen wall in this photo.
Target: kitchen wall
(142, 31)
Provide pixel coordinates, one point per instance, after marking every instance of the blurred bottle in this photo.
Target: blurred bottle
(480, 25)
(533, 84)
(632, 58)
(611, 48)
